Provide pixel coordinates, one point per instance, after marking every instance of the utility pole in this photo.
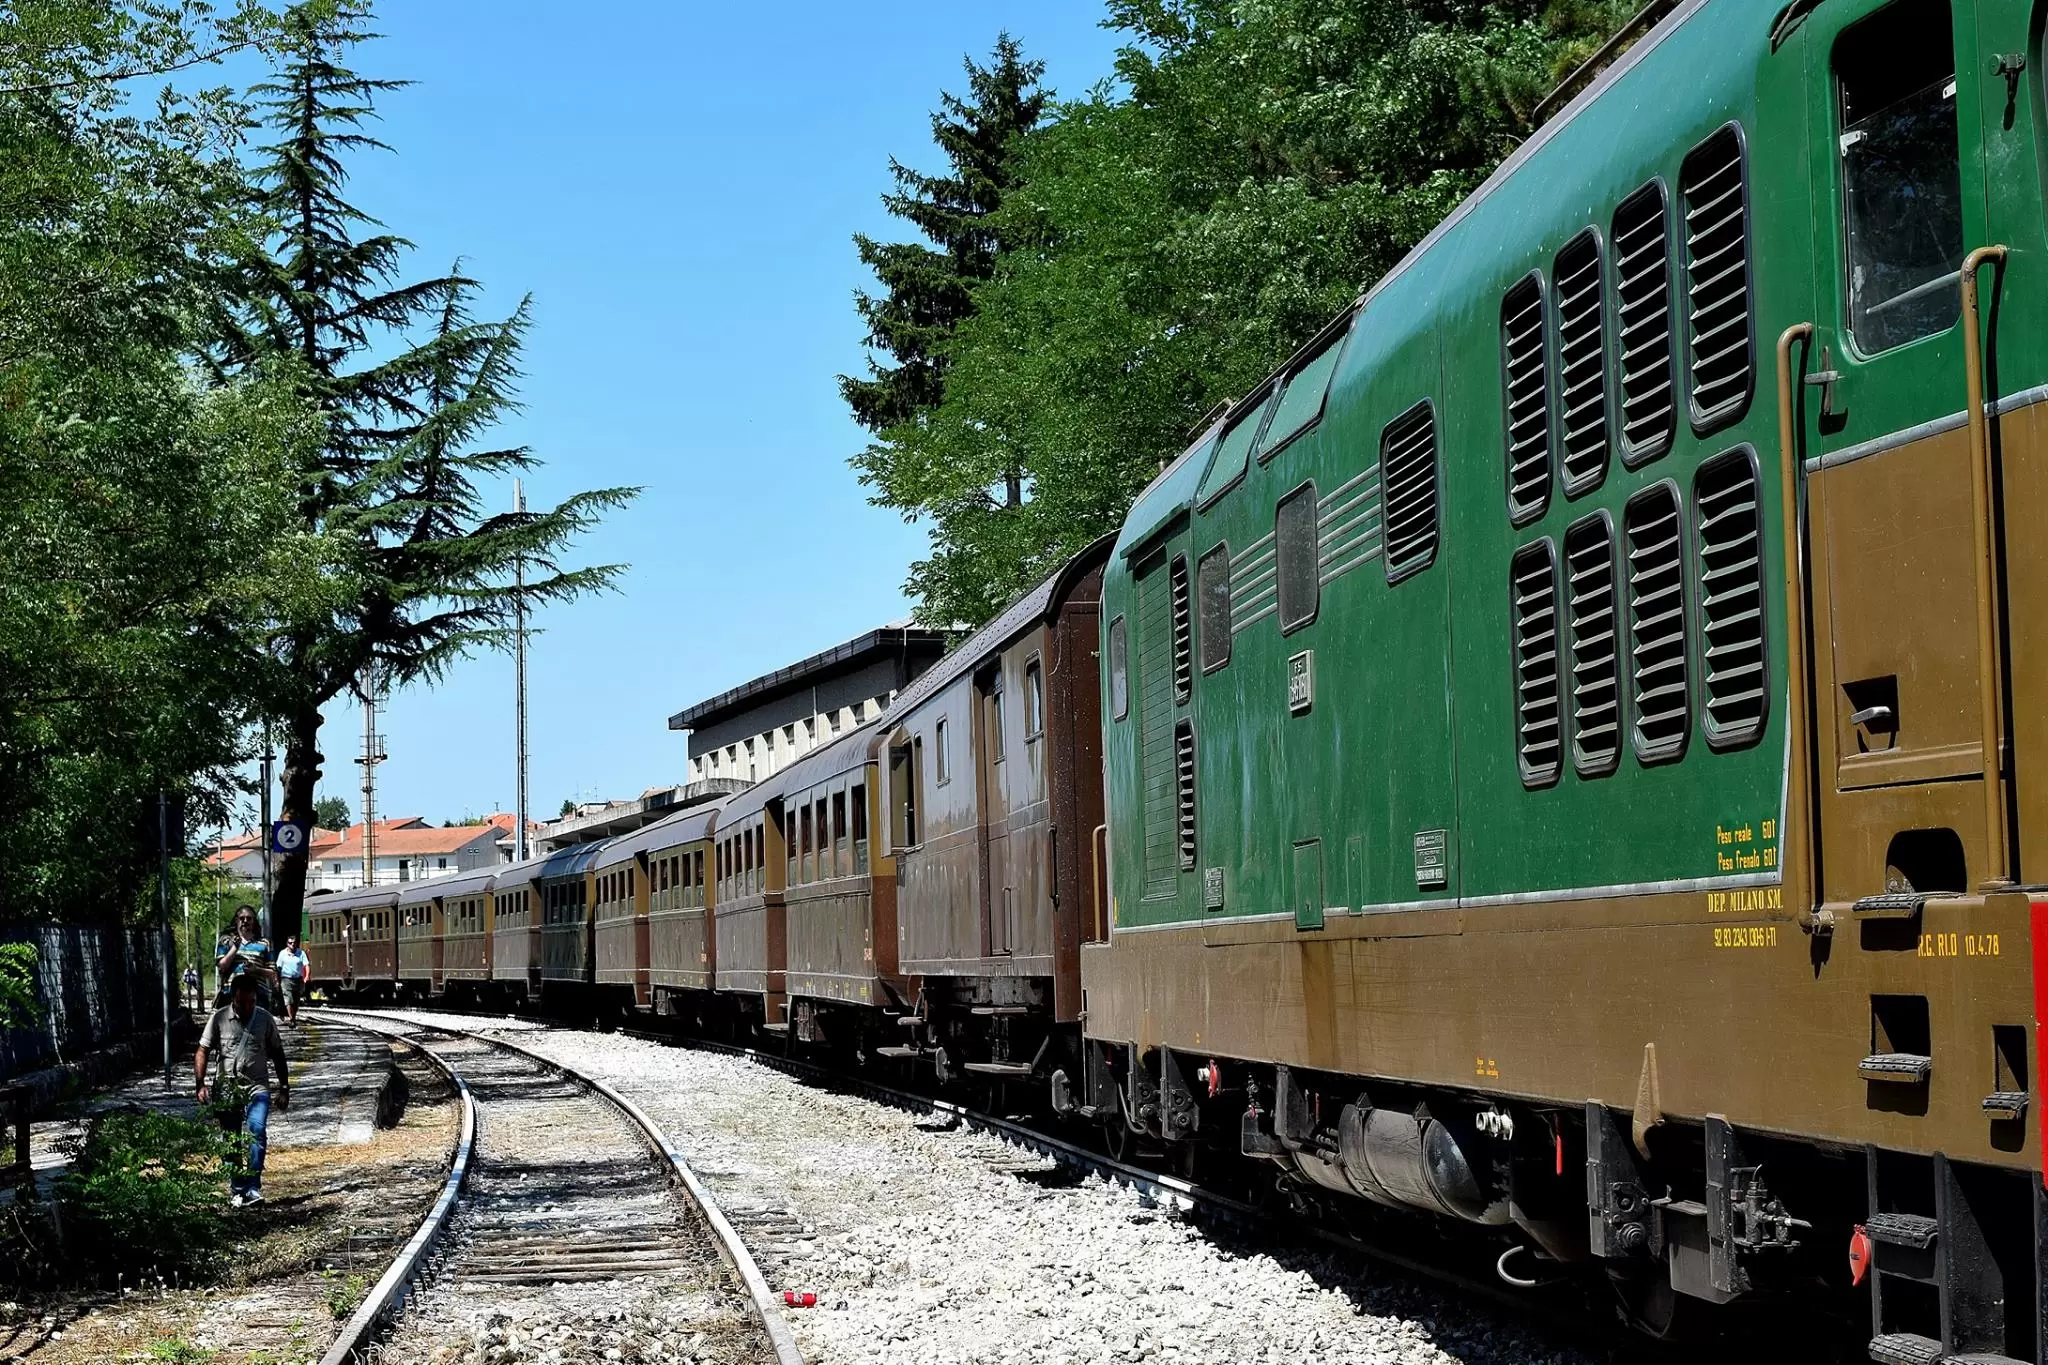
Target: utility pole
(373, 754)
(263, 827)
(163, 919)
(519, 691)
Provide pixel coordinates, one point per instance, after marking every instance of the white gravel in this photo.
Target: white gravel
(938, 1246)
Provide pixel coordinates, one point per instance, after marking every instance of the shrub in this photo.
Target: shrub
(144, 1194)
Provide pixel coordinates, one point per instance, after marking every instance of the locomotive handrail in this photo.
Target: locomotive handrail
(1798, 743)
(1096, 849)
(1989, 676)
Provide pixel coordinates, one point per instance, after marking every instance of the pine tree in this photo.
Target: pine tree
(929, 289)
(420, 575)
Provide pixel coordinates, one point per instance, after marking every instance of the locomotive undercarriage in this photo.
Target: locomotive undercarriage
(1937, 1256)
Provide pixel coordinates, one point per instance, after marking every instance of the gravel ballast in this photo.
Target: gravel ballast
(928, 1244)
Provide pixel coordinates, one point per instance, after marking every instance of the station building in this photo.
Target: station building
(759, 727)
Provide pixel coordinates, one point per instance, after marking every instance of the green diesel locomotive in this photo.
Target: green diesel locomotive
(1567, 733)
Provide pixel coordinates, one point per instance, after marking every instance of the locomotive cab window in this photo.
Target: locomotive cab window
(1212, 593)
(1119, 670)
(1294, 535)
(1902, 199)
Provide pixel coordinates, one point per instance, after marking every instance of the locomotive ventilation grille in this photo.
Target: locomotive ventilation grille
(1254, 584)
(1184, 789)
(1348, 525)
(1581, 363)
(1717, 277)
(1595, 637)
(1525, 371)
(1408, 476)
(1731, 597)
(1183, 631)
(1532, 582)
(1656, 622)
(1642, 287)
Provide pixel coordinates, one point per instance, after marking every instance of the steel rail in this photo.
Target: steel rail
(727, 1238)
(388, 1295)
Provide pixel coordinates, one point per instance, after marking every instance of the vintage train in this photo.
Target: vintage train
(1555, 756)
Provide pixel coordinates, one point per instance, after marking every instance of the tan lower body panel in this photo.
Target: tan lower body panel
(1749, 1016)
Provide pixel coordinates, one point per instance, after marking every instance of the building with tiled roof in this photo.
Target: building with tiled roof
(406, 849)
(241, 855)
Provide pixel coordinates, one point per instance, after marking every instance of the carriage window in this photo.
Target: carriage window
(942, 753)
(1034, 701)
(1901, 183)
(1119, 670)
(840, 852)
(904, 762)
(808, 863)
(858, 800)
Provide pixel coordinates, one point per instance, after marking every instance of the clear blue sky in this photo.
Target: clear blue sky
(676, 184)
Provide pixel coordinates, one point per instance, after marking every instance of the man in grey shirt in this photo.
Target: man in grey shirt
(243, 1042)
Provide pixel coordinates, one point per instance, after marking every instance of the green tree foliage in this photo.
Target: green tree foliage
(330, 812)
(424, 574)
(929, 289)
(145, 519)
(1177, 233)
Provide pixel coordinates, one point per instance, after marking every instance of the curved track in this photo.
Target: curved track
(558, 1183)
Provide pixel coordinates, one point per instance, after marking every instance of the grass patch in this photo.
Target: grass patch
(144, 1195)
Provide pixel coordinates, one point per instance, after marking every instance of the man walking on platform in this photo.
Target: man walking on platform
(292, 971)
(242, 1040)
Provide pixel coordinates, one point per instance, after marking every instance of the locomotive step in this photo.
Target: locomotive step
(905, 1052)
(999, 1068)
(1902, 1230)
(1910, 1068)
(1905, 1348)
(2006, 1104)
(1890, 905)
(1000, 1009)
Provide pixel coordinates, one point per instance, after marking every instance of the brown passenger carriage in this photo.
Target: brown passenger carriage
(624, 878)
(370, 935)
(839, 900)
(515, 933)
(993, 790)
(749, 927)
(326, 944)
(463, 915)
(680, 905)
(564, 887)
(419, 943)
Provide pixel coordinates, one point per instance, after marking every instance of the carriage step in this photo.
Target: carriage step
(1909, 1067)
(1000, 1009)
(998, 1068)
(906, 1052)
(775, 1028)
(1902, 1230)
(909, 1020)
(1905, 1348)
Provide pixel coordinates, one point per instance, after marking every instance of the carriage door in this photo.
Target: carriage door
(1898, 195)
(999, 883)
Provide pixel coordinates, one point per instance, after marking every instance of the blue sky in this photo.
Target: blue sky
(677, 185)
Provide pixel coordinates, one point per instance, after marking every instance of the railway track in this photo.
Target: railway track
(570, 1228)
(1571, 1310)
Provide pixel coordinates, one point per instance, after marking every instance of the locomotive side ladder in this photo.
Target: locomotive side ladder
(1902, 824)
